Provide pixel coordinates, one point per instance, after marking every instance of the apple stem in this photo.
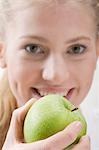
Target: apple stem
(74, 109)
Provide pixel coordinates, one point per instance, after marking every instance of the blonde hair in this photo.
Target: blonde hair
(7, 9)
(7, 105)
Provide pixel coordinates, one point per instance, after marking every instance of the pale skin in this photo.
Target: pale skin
(54, 68)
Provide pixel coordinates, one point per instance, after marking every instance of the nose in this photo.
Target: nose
(55, 71)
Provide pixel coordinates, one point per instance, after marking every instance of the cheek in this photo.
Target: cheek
(22, 71)
(84, 73)
(24, 74)
(21, 79)
(86, 78)
(86, 70)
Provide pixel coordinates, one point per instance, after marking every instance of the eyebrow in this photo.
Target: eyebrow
(79, 38)
(44, 40)
(38, 38)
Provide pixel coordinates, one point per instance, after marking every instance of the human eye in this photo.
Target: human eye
(34, 49)
(77, 49)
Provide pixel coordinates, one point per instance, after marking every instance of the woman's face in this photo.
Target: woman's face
(51, 50)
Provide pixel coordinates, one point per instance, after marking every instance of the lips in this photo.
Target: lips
(69, 94)
(38, 93)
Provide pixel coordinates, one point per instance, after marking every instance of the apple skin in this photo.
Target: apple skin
(49, 115)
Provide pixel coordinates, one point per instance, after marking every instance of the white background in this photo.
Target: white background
(90, 109)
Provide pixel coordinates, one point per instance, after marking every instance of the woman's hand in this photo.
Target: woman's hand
(59, 141)
(84, 144)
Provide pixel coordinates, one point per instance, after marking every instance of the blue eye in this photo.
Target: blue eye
(77, 49)
(34, 49)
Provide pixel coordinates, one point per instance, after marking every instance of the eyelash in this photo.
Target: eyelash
(40, 51)
(77, 49)
(35, 49)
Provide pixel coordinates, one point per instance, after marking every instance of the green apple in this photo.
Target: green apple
(49, 115)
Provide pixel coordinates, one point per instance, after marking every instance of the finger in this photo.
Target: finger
(63, 138)
(20, 116)
(16, 126)
(22, 111)
(84, 144)
(58, 141)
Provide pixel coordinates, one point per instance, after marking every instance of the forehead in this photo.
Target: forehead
(58, 23)
(54, 5)
(23, 4)
(62, 16)
(46, 2)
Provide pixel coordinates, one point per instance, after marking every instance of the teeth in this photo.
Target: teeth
(44, 93)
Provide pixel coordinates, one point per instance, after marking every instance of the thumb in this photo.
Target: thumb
(65, 137)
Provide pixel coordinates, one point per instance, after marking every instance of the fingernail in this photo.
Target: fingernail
(78, 125)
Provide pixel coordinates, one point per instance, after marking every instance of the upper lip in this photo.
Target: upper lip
(54, 90)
